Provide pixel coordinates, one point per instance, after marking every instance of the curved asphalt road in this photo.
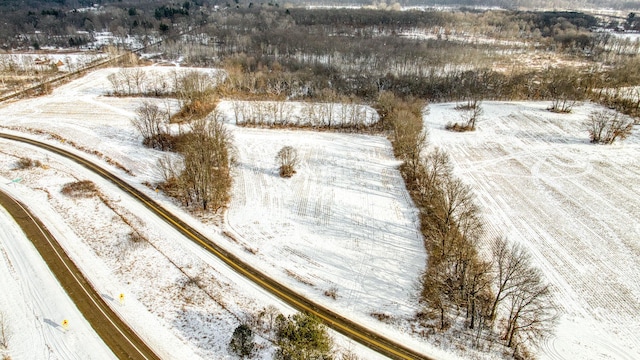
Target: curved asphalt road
(117, 335)
(337, 322)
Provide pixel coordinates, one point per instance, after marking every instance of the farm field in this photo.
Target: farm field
(343, 223)
(573, 204)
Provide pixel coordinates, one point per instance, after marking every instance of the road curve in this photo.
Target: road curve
(117, 335)
(335, 321)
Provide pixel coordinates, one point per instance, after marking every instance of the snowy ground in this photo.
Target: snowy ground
(342, 223)
(573, 204)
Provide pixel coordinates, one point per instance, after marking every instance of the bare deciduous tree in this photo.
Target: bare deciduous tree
(409, 139)
(528, 298)
(531, 313)
(152, 123)
(435, 292)
(510, 262)
(287, 158)
(607, 126)
(564, 89)
(194, 90)
(470, 113)
(208, 155)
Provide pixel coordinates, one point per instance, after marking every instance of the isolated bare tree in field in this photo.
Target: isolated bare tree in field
(470, 114)
(287, 158)
(153, 124)
(607, 126)
(564, 89)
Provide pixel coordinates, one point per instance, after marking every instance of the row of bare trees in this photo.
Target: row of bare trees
(495, 290)
(185, 84)
(305, 114)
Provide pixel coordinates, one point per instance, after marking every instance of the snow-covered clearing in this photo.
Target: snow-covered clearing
(34, 305)
(344, 222)
(631, 36)
(439, 33)
(629, 93)
(573, 204)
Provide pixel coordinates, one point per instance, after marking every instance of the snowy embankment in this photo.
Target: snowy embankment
(364, 242)
(33, 305)
(573, 204)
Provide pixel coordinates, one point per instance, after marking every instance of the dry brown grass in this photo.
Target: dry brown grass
(331, 292)
(27, 163)
(198, 109)
(386, 318)
(80, 189)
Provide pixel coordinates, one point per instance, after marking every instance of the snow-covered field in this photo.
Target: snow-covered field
(573, 204)
(343, 223)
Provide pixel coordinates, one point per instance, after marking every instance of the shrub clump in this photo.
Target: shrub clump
(80, 189)
(287, 158)
(26, 163)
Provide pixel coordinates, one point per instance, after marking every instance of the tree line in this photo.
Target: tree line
(501, 296)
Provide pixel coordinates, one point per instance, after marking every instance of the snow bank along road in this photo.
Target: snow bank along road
(339, 323)
(122, 340)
